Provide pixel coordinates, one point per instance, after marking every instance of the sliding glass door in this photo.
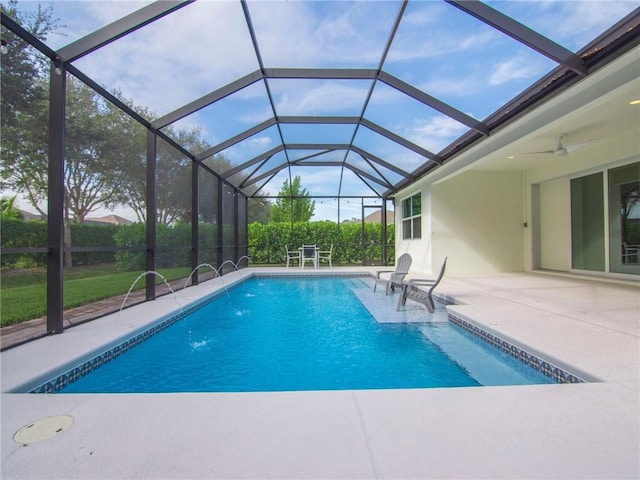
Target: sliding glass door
(624, 219)
(605, 221)
(587, 223)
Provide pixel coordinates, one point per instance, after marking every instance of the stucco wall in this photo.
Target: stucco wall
(476, 219)
(555, 225)
(478, 222)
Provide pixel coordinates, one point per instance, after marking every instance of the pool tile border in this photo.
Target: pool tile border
(548, 369)
(310, 273)
(62, 380)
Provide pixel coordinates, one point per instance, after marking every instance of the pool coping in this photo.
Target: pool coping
(538, 431)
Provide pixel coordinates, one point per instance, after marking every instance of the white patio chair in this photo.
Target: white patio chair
(292, 255)
(631, 253)
(325, 255)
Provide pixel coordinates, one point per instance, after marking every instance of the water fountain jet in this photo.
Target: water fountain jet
(158, 274)
(194, 271)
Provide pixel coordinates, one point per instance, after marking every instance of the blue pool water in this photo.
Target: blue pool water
(310, 333)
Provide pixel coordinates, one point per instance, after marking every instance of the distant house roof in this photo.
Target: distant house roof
(374, 217)
(31, 216)
(108, 220)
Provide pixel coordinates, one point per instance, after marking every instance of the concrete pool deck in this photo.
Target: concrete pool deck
(590, 430)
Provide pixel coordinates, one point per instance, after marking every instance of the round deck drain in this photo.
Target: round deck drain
(43, 429)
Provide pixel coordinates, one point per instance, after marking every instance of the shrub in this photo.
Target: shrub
(267, 241)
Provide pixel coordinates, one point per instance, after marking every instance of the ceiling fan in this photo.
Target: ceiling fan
(561, 149)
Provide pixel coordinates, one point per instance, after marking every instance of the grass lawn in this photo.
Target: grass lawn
(23, 294)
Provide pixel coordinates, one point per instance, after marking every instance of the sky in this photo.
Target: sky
(437, 49)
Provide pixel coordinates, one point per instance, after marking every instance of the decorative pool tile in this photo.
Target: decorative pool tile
(310, 273)
(70, 376)
(549, 369)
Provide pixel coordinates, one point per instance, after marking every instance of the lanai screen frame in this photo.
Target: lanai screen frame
(572, 67)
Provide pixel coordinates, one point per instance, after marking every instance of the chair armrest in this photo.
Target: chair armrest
(421, 281)
(378, 272)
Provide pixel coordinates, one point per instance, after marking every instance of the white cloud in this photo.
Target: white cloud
(312, 34)
(178, 58)
(451, 86)
(260, 142)
(570, 23)
(435, 133)
(319, 97)
(515, 68)
(426, 14)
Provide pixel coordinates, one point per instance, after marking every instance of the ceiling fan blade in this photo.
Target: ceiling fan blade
(575, 146)
(561, 150)
(536, 153)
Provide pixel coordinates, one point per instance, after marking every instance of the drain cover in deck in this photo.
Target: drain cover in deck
(43, 429)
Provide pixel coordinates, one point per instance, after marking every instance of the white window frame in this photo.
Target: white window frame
(412, 220)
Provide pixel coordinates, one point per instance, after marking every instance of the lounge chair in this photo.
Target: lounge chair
(414, 290)
(325, 255)
(292, 255)
(397, 275)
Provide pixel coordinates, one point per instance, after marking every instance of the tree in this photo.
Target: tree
(24, 106)
(259, 209)
(293, 203)
(8, 208)
(207, 207)
(21, 65)
(95, 152)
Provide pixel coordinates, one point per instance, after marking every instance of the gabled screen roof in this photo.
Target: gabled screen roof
(355, 97)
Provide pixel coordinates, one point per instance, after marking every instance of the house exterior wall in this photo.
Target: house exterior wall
(420, 250)
(555, 195)
(475, 206)
(475, 219)
(555, 225)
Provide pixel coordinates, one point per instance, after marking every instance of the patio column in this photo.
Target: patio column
(151, 215)
(236, 231)
(55, 238)
(195, 215)
(383, 226)
(219, 222)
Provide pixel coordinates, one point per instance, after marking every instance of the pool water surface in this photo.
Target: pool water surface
(309, 333)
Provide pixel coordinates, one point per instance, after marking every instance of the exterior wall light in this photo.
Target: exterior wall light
(4, 47)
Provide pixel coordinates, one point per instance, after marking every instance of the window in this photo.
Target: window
(412, 217)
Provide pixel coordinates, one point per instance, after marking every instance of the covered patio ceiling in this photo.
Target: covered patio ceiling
(359, 99)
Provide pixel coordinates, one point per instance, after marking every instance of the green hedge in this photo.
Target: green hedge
(174, 245)
(33, 233)
(19, 233)
(267, 241)
(86, 235)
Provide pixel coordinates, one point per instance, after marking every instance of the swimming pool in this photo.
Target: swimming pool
(311, 333)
